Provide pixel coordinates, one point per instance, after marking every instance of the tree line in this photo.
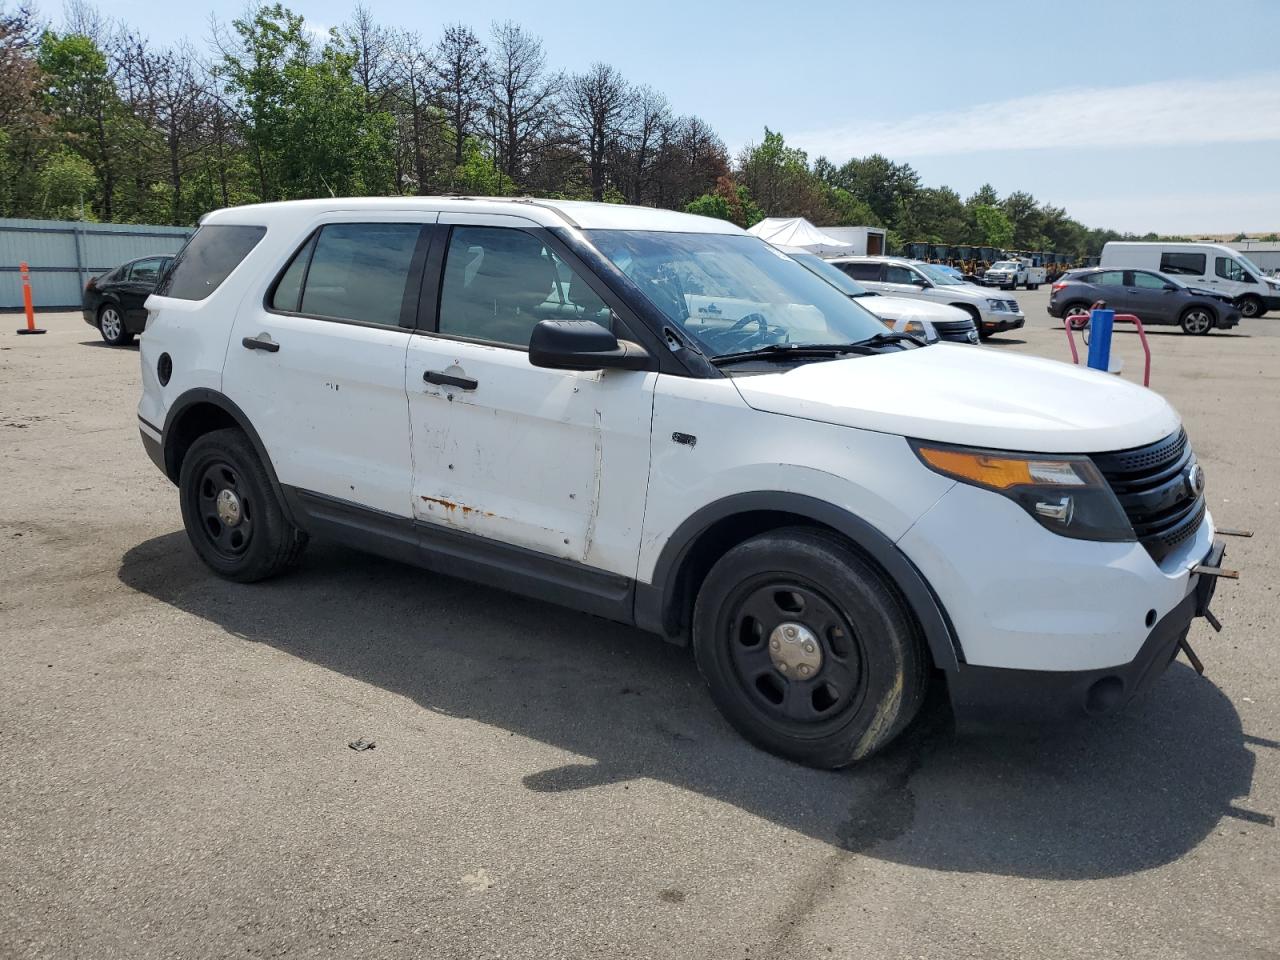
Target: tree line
(98, 122)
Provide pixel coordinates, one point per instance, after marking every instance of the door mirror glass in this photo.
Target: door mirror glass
(583, 345)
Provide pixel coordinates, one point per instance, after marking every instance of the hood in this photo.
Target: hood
(903, 308)
(980, 397)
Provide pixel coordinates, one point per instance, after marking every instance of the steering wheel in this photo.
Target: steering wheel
(743, 321)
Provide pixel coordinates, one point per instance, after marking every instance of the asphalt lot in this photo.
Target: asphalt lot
(176, 781)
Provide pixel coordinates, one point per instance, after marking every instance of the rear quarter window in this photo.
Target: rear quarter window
(861, 271)
(208, 259)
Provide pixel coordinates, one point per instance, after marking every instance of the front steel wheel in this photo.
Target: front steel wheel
(807, 648)
(1197, 321)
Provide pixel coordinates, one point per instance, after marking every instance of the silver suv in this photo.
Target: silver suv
(899, 277)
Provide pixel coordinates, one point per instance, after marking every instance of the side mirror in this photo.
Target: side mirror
(922, 283)
(1169, 287)
(583, 345)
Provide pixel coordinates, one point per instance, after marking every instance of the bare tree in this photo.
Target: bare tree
(461, 68)
(595, 103)
(374, 48)
(523, 96)
(648, 118)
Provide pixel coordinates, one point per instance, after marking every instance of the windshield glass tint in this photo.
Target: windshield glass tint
(830, 273)
(940, 277)
(733, 293)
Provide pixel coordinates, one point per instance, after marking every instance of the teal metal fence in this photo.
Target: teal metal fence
(64, 254)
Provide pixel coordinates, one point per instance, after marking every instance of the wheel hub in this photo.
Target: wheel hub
(795, 651)
(228, 506)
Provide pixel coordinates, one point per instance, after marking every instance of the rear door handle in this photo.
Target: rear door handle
(448, 380)
(262, 341)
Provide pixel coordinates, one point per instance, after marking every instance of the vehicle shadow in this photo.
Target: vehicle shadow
(996, 340)
(107, 346)
(1099, 799)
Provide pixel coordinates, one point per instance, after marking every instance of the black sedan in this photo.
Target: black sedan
(114, 301)
(1152, 297)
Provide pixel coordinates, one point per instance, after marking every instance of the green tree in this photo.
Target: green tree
(729, 201)
(779, 179)
(86, 109)
(993, 226)
(67, 181)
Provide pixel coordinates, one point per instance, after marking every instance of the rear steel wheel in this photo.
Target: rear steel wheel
(111, 326)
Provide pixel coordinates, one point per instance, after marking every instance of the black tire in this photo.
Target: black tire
(247, 537)
(111, 325)
(1197, 321)
(1250, 307)
(868, 663)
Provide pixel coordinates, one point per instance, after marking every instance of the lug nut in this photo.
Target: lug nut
(808, 648)
(782, 668)
(774, 645)
(791, 633)
(804, 669)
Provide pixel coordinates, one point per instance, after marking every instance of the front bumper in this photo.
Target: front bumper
(1272, 303)
(90, 316)
(998, 322)
(995, 694)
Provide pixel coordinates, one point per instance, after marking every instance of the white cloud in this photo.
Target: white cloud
(1167, 113)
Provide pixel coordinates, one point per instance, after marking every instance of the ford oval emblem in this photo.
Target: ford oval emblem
(1195, 479)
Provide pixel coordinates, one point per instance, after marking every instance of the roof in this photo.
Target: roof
(797, 232)
(546, 213)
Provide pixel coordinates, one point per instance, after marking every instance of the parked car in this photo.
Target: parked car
(1010, 274)
(900, 313)
(917, 280)
(113, 302)
(1153, 298)
(1211, 266)
(537, 395)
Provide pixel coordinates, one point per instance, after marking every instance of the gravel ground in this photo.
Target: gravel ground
(176, 781)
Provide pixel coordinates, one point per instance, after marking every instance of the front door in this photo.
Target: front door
(554, 461)
(1148, 296)
(318, 366)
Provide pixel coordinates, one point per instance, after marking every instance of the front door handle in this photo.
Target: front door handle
(449, 380)
(262, 341)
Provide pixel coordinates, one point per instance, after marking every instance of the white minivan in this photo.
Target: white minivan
(1213, 266)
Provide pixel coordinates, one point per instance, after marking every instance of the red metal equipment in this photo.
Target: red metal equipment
(1119, 318)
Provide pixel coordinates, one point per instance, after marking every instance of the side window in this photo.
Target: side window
(861, 271)
(1108, 278)
(353, 271)
(1147, 281)
(287, 295)
(146, 271)
(896, 274)
(207, 259)
(1185, 264)
(1228, 269)
(499, 282)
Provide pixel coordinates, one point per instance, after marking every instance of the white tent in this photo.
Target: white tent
(798, 232)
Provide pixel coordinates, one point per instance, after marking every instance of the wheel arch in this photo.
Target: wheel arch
(665, 604)
(199, 411)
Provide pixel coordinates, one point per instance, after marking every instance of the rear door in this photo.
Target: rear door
(143, 275)
(552, 461)
(317, 364)
(900, 281)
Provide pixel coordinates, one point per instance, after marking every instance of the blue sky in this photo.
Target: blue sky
(1154, 115)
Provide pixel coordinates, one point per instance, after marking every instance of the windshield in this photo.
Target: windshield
(939, 277)
(733, 293)
(831, 273)
(1004, 265)
(1253, 268)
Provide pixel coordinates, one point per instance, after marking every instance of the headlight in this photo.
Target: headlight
(1064, 494)
(996, 306)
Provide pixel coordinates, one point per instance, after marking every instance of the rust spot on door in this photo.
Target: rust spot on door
(452, 507)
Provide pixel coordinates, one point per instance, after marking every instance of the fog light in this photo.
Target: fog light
(1061, 510)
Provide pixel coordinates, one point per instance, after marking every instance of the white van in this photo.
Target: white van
(1211, 266)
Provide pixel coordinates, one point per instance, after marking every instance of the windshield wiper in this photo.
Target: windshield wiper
(789, 351)
(893, 337)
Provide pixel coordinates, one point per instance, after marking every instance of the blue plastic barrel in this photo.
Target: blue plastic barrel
(1100, 325)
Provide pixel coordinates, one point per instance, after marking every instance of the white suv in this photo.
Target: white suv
(922, 281)
(660, 419)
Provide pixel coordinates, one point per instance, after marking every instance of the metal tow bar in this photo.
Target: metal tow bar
(1213, 568)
